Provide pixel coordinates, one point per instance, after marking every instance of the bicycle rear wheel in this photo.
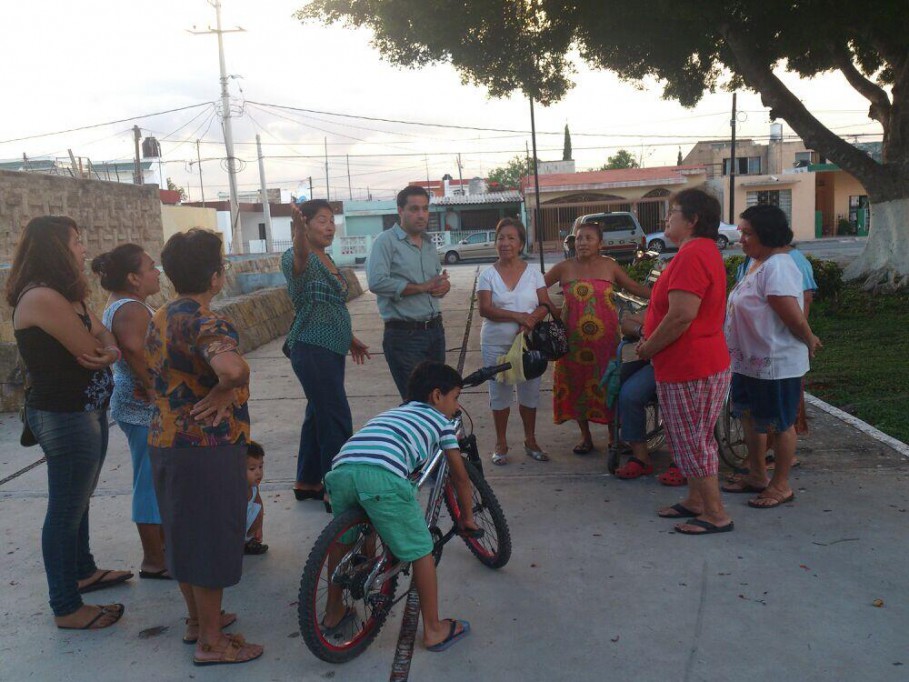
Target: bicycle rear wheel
(341, 561)
(730, 435)
(494, 548)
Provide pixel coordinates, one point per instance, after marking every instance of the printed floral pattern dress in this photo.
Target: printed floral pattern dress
(590, 315)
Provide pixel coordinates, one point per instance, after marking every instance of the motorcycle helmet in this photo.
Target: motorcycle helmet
(534, 364)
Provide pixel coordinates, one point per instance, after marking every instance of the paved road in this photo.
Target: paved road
(597, 588)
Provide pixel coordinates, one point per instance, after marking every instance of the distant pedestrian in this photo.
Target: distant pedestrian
(130, 275)
(405, 274)
(67, 352)
(317, 344)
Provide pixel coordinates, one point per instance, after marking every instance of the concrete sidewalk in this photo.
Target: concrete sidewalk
(597, 588)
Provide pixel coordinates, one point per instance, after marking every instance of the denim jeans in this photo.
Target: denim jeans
(327, 424)
(406, 348)
(145, 504)
(75, 444)
(637, 391)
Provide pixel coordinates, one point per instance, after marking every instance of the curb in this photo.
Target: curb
(864, 427)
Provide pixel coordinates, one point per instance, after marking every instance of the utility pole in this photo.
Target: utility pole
(327, 188)
(349, 188)
(199, 163)
(236, 237)
(460, 177)
(263, 193)
(538, 228)
(732, 219)
(310, 188)
(137, 173)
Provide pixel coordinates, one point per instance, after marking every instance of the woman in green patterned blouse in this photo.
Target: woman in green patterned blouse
(317, 344)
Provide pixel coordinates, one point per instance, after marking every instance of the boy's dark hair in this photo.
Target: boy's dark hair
(254, 450)
(769, 224)
(429, 376)
(411, 191)
(696, 203)
(191, 258)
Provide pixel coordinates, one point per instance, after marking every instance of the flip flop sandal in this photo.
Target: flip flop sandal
(709, 528)
(681, 512)
(634, 468)
(741, 486)
(102, 584)
(499, 459)
(471, 533)
(155, 575)
(229, 655)
(583, 449)
(538, 455)
(452, 637)
(770, 501)
(672, 477)
(116, 610)
(335, 629)
(254, 547)
(196, 638)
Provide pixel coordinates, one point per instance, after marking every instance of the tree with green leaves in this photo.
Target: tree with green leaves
(509, 176)
(621, 159)
(566, 146)
(694, 47)
(171, 185)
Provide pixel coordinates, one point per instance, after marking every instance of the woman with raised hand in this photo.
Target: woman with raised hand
(587, 281)
(130, 275)
(513, 298)
(198, 440)
(67, 352)
(317, 344)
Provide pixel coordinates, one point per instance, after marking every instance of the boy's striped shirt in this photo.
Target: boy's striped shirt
(399, 440)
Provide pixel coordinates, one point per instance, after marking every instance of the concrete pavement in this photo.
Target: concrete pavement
(597, 588)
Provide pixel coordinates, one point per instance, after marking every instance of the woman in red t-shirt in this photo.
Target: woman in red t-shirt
(683, 338)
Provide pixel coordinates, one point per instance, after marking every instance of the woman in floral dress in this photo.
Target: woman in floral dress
(589, 313)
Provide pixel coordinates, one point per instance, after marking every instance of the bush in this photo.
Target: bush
(827, 273)
(639, 271)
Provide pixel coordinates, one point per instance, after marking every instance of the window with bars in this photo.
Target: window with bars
(772, 197)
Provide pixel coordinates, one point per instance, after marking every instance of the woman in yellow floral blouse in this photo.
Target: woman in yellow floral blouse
(589, 313)
(197, 443)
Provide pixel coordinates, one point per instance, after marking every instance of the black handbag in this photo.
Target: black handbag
(550, 337)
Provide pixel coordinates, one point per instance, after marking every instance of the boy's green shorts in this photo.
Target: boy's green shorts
(390, 502)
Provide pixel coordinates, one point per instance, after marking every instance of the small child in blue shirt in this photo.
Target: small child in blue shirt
(371, 471)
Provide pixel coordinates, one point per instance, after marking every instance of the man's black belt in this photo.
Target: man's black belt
(414, 324)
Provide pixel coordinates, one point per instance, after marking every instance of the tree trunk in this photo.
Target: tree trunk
(884, 262)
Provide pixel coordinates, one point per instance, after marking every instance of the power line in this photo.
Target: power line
(101, 125)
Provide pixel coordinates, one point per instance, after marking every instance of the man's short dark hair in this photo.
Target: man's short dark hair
(702, 208)
(254, 450)
(411, 191)
(429, 376)
(770, 225)
(191, 258)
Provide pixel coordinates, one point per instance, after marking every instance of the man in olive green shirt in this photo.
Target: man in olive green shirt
(404, 273)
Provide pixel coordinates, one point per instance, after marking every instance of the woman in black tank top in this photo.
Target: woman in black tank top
(67, 353)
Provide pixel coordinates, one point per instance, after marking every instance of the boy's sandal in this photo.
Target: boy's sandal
(254, 547)
(114, 611)
(236, 646)
(499, 459)
(634, 468)
(453, 636)
(227, 619)
(672, 477)
(471, 533)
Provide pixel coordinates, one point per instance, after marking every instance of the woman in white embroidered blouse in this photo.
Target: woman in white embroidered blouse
(770, 342)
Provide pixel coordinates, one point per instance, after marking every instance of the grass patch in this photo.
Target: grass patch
(863, 367)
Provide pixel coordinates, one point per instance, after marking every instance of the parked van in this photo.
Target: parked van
(622, 235)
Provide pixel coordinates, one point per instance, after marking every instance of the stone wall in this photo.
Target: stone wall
(108, 213)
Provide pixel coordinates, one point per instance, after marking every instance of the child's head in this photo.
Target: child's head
(436, 384)
(255, 461)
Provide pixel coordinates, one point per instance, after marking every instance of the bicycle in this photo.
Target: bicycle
(350, 555)
(730, 435)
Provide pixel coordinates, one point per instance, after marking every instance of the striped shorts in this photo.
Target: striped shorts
(690, 411)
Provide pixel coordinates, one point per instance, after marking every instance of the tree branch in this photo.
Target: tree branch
(880, 101)
(759, 75)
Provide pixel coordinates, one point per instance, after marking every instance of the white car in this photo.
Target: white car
(659, 242)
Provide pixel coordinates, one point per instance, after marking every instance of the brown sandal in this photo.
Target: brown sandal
(227, 619)
(231, 654)
(114, 611)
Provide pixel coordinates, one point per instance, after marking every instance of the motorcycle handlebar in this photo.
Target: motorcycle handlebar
(484, 374)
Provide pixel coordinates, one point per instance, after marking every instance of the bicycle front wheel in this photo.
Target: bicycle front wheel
(730, 435)
(494, 548)
(337, 574)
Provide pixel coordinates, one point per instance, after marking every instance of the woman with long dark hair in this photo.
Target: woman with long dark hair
(67, 352)
(130, 275)
(317, 344)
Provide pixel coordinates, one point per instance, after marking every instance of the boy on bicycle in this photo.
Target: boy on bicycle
(372, 471)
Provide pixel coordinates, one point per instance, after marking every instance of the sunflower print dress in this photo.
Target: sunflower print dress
(590, 315)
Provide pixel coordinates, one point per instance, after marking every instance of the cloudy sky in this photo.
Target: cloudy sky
(67, 65)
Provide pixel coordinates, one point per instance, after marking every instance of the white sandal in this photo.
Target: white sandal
(499, 459)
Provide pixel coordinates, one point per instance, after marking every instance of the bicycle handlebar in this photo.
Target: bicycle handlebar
(484, 374)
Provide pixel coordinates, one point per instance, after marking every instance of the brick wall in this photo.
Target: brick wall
(108, 213)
